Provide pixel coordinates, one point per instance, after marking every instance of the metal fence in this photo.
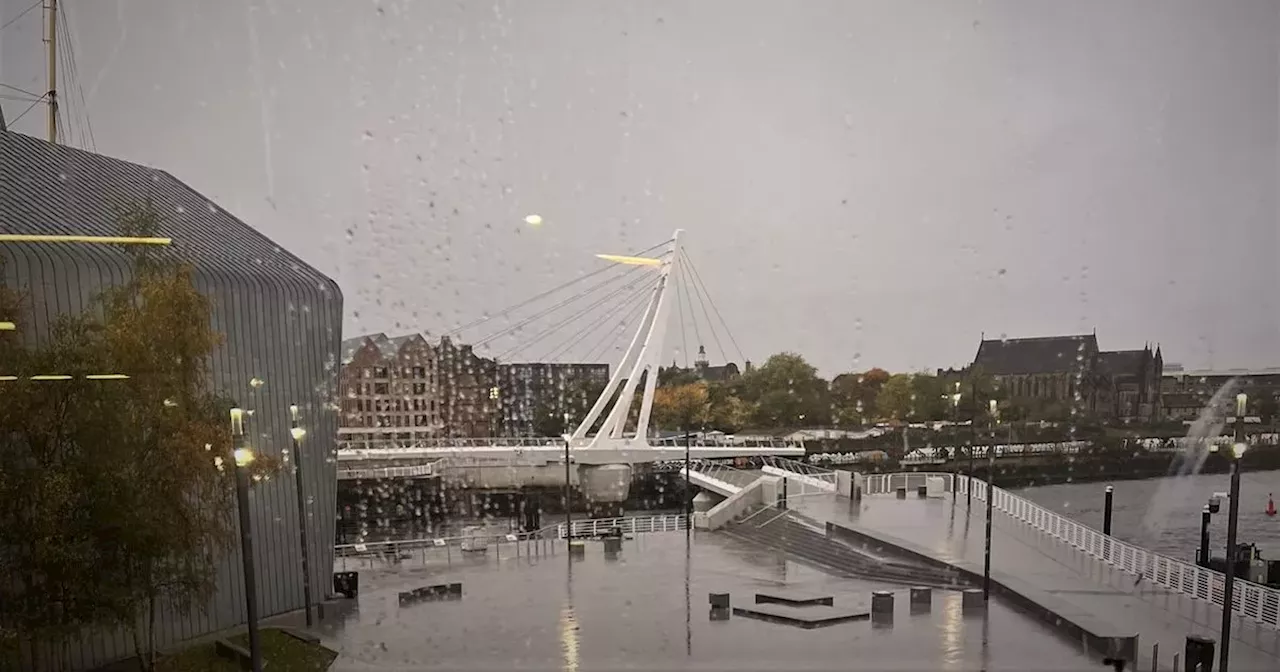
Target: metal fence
(1252, 601)
(503, 545)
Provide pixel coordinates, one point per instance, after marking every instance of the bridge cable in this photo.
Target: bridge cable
(552, 329)
(592, 327)
(684, 344)
(611, 337)
(557, 306)
(542, 295)
(21, 14)
(65, 26)
(715, 336)
(727, 331)
(684, 286)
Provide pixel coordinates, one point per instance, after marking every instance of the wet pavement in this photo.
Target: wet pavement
(1035, 563)
(648, 609)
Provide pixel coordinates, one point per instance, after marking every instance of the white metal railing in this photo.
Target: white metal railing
(797, 467)
(594, 527)
(1250, 600)
(412, 471)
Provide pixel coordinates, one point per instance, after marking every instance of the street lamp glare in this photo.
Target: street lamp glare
(293, 411)
(237, 421)
(1242, 400)
(297, 433)
(1239, 448)
(244, 457)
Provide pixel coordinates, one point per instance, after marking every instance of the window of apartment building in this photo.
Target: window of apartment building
(380, 388)
(366, 373)
(419, 372)
(380, 372)
(419, 421)
(419, 388)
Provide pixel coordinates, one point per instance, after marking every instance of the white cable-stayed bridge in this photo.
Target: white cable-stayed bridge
(634, 296)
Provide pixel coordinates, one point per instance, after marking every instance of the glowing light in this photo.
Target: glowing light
(293, 411)
(99, 240)
(255, 382)
(244, 457)
(533, 220)
(51, 377)
(8, 326)
(297, 433)
(107, 376)
(631, 261)
(1242, 400)
(1239, 449)
(8, 378)
(237, 422)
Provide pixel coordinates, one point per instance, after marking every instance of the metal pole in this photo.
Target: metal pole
(52, 47)
(568, 507)
(991, 470)
(240, 457)
(1233, 518)
(1106, 511)
(1202, 558)
(688, 503)
(296, 432)
(973, 436)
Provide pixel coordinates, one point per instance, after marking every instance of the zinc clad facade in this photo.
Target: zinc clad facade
(280, 319)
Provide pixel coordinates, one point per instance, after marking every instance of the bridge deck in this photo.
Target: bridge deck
(1049, 574)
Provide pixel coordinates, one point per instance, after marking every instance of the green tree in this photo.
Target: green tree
(896, 398)
(929, 398)
(786, 392)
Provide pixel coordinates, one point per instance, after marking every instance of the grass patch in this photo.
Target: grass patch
(280, 651)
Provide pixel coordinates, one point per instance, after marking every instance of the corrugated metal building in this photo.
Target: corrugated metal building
(282, 325)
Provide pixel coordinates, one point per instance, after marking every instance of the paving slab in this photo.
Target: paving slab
(808, 617)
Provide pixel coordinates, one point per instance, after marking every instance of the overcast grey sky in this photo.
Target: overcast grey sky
(867, 183)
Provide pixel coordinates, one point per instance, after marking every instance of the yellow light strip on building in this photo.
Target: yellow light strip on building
(8, 326)
(633, 261)
(51, 377)
(8, 378)
(107, 376)
(99, 240)
(63, 376)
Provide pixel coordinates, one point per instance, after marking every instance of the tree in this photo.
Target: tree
(929, 398)
(895, 399)
(786, 392)
(686, 407)
(853, 396)
(130, 477)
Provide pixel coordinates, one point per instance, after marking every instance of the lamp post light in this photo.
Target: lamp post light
(1233, 519)
(955, 454)
(243, 457)
(991, 470)
(297, 433)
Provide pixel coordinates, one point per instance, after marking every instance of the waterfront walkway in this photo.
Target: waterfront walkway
(1052, 575)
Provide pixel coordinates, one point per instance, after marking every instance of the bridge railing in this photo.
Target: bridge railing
(1252, 601)
(595, 527)
(412, 471)
(802, 468)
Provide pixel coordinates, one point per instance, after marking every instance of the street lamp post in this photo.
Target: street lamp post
(973, 432)
(1233, 519)
(568, 492)
(955, 453)
(243, 457)
(991, 470)
(688, 503)
(297, 433)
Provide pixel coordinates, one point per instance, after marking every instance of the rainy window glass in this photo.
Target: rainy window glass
(399, 335)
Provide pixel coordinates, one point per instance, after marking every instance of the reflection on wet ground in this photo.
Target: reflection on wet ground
(639, 611)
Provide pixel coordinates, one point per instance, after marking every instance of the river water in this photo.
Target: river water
(1163, 514)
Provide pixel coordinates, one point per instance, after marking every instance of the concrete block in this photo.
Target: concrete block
(613, 544)
(719, 600)
(921, 595)
(922, 491)
(881, 602)
(972, 600)
(901, 492)
(577, 549)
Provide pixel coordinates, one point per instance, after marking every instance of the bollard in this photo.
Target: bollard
(718, 600)
(1106, 511)
(1199, 653)
(577, 549)
(882, 602)
(922, 491)
(971, 599)
(921, 599)
(901, 492)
